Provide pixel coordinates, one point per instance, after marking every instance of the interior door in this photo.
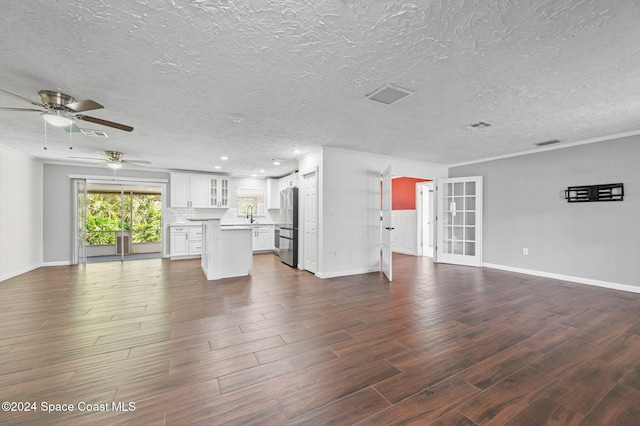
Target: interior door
(385, 189)
(459, 229)
(310, 222)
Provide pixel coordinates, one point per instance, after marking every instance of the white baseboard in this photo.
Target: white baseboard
(19, 272)
(579, 280)
(346, 273)
(59, 263)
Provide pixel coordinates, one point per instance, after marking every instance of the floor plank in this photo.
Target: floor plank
(441, 345)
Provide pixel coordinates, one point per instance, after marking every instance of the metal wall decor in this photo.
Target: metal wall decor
(587, 193)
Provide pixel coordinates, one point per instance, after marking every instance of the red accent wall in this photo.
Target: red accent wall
(403, 191)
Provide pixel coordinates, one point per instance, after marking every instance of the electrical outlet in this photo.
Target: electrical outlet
(525, 251)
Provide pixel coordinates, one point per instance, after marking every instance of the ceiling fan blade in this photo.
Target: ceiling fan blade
(72, 128)
(140, 162)
(20, 109)
(88, 158)
(104, 122)
(83, 105)
(22, 99)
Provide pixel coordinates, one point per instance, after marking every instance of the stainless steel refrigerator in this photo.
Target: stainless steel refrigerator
(289, 226)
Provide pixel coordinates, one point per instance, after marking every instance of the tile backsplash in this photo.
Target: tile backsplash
(228, 216)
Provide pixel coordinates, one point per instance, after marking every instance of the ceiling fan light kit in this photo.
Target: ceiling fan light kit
(57, 118)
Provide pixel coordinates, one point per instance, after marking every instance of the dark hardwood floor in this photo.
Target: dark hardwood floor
(441, 345)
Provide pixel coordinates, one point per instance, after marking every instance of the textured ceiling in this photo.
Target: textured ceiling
(258, 79)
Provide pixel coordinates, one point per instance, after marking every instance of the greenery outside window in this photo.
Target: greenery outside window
(142, 216)
(250, 198)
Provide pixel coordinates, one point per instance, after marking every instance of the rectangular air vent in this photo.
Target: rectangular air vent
(389, 94)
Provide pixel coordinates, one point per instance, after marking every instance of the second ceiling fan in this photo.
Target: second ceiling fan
(60, 109)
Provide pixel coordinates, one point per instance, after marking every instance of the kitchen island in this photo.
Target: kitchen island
(226, 251)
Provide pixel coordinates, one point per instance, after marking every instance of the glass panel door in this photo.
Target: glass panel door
(460, 221)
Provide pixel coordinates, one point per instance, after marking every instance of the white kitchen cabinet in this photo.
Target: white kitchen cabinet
(289, 181)
(180, 196)
(195, 240)
(185, 241)
(273, 194)
(179, 241)
(263, 238)
(199, 191)
(218, 192)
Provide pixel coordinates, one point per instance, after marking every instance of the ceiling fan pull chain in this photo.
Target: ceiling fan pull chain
(45, 135)
(70, 136)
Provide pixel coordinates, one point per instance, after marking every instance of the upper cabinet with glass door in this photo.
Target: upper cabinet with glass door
(219, 192)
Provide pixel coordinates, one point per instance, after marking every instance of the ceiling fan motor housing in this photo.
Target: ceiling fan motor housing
(55, 100)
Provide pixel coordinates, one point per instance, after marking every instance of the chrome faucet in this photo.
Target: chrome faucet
(250, 215)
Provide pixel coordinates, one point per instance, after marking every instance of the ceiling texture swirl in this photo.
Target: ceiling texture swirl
(255, 80)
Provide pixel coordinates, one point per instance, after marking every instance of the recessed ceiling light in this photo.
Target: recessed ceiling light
(276, 162)
(261, 171)
(254, 175)
(297, 151)
(224, 158)
(216, 167)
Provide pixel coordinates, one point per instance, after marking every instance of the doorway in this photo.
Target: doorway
(122, 221)
(425, 206)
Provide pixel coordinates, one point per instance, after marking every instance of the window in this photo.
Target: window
(248, 199)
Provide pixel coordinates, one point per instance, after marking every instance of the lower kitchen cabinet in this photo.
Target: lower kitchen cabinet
(185, 241)
(263, 238)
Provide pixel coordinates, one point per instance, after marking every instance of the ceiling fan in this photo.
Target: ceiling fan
(114, 160)
(59, 109)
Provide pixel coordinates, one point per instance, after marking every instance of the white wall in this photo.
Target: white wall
(20, 213)
(524, 207)
(350, 207)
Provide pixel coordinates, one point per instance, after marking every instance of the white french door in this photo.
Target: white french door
(459, 229)
(385, 189)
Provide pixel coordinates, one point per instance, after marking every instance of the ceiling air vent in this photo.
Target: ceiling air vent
(389, 94)
(478, 125)
(95, 133)
(550, 142)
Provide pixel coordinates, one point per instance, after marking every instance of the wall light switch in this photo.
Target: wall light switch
(525, 251)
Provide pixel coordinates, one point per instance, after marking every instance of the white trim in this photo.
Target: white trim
(346, 273)
(579, 280)
(19, 272)
(550, 148)
(119, 179)
(57, 263)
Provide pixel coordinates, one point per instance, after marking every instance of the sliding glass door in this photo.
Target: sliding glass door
(123, 221)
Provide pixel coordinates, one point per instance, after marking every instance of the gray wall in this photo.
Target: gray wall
(524, 206)
(57, 205)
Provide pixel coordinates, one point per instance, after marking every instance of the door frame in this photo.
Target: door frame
(101, 179)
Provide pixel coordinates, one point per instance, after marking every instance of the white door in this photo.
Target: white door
(425, 218)
(459, 219)
(310, 254)
(385, 189)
